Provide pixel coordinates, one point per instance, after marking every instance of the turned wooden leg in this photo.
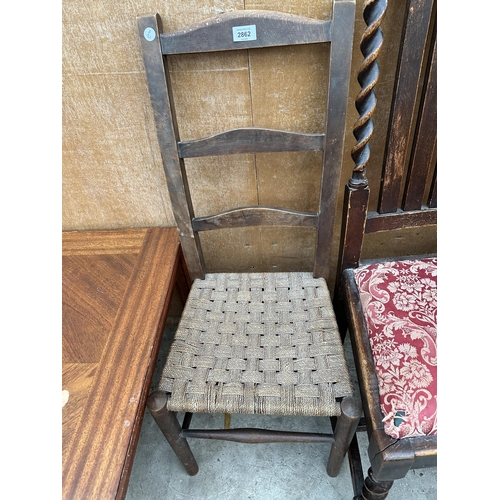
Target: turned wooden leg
(373, 489)
(344, 431)
(169, 425)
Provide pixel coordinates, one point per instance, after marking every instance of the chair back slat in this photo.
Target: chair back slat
(251, 140)
(338, 91)
(255, 216)
(410, 65)
(270, 29)
(376, 222)
(425, 141)
(246, 30)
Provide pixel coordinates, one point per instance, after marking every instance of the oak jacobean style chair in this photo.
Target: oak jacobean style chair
(391, 305)
(254, 343)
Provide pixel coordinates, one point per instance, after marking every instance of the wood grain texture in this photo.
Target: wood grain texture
(390, 459)
(77, 380)
(102, 242)
(353, 230)
(376, 222)
(417, 24)
(432, 201)
(291, 95)
(92, 289)
(241, 245)
(425, 141)
(361, 350)
(412, 70)
(286, 249)
(161, 93)
(400, 242)
(283, 183)
(97, 459)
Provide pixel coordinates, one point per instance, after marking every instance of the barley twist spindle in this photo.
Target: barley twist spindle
(371, 43)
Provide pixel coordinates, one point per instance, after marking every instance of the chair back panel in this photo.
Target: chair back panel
(422, 155)
(257, 29)
(408, 188)
(417, 29)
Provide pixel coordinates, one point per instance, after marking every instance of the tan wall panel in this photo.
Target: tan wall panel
(287, 249)
(289, 86)
(290, 180)
(319, 9)
(221, 183)
(211, 92)
(289, 92)
(112, 173)
(232, 250)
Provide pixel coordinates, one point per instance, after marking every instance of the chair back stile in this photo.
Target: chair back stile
(160, 92)
(273, 30)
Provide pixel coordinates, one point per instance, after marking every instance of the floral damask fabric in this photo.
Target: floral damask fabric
(400, 306)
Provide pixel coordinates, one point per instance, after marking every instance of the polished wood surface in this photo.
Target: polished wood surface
(116, 290)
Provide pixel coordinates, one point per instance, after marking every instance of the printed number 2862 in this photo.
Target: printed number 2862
(244, 33)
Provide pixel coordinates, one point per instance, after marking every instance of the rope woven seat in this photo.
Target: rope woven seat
(264, 343)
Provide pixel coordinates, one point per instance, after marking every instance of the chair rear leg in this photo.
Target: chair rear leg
(373, 489)
(169, 425)
(343, 433)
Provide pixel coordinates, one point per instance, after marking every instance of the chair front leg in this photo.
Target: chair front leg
(344, 431)
(169, 425)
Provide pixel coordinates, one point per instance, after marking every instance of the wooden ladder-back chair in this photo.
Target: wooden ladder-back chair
(391, 305)
(254, 343)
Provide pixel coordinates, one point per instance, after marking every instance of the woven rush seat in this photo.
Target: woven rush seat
(399, 302)
(265, 343)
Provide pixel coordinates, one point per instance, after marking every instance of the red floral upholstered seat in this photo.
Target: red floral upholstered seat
(400, 307)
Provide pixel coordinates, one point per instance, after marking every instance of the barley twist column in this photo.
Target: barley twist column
(371, 43)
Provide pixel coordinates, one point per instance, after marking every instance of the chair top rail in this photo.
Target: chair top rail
(248, 29)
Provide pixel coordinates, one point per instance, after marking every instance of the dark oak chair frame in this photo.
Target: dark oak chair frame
(412, 127)
(275, 29)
